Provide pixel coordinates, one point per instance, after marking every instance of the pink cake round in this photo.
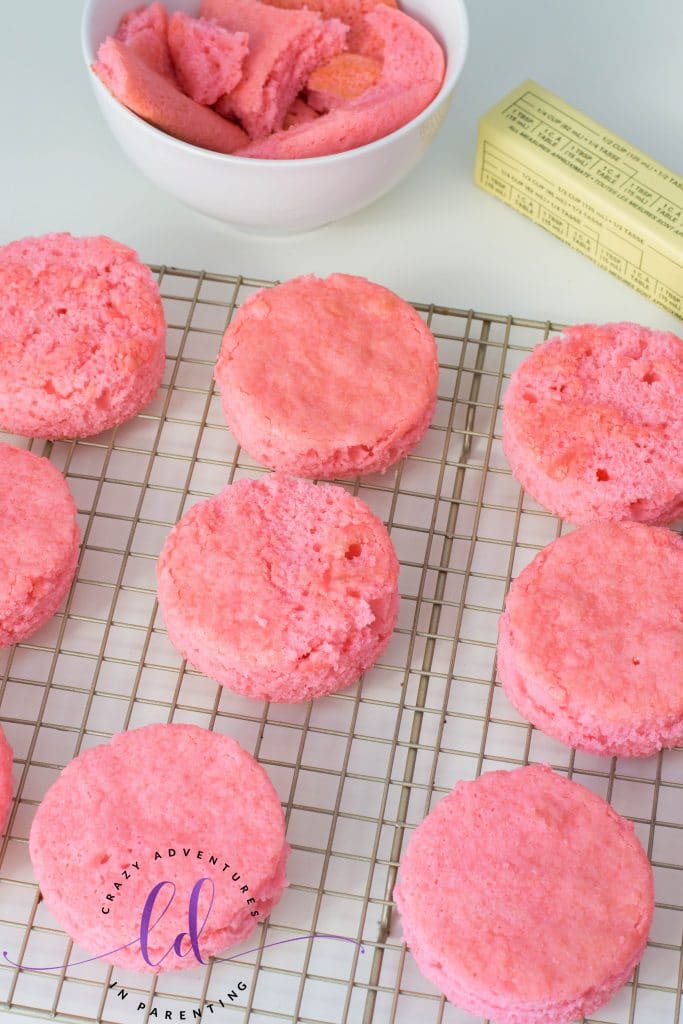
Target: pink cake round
(39, 542)
(279, 589)
(167, 816)
(5, 780)
(590, 646)
(593, 424)
(328, 377)
(525, 898)
(82, 336)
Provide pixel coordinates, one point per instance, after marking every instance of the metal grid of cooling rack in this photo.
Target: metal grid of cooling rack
(356, 771)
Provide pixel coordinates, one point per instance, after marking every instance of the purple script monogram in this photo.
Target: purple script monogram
(195, 927)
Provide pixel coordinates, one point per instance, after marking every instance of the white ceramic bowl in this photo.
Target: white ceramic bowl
(277, 196)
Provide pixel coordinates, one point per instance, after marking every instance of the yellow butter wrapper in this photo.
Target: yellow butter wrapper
(587, 187)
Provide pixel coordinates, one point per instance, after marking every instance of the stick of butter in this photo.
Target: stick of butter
(588, 187)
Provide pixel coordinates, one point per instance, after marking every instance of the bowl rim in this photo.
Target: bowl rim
(229, 159)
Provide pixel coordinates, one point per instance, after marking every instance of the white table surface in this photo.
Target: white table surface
(436, 237)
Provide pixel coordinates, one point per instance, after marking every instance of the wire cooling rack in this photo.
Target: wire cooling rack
(355, 771)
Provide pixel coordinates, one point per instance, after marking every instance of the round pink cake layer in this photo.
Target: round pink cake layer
(590, 645)
(328, 377)
(593, 424)
(6, 756)
(101, 825)
(82, 336)
(525, 898)
(39, 542)
(279, 589)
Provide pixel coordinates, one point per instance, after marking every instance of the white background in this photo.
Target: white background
(436, 237)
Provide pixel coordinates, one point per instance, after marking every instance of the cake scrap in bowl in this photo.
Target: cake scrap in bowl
(246, 62)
